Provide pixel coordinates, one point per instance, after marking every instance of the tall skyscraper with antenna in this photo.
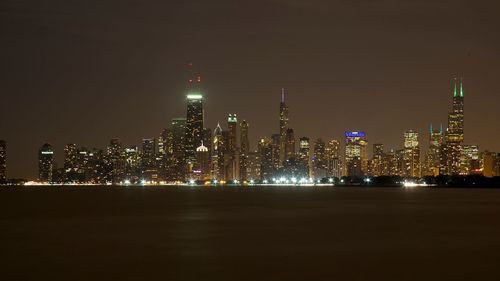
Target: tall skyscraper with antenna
(283, 127)
(194, 117)
(455, 132)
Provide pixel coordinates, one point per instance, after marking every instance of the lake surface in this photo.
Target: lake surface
(275, 233)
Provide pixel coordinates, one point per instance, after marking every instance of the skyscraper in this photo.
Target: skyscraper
(3, 161)
(289, 144)
(232, 126)
(377, 160)
(115, 160)
(232, 156)
(455, 132)
(194, 119)
(411, 157)
(148, 160)
(433, 157)
(194, 127)
(202, 168)
(319, 159)
(218, 154)
(244, 141)
(244, 150)
(133, 165)
(45, 163)
(469, 160)
(332, 152)
(265, 150)
(165, 142)
(356, 153)
(283, 128)
(304, 157)
(178, 171)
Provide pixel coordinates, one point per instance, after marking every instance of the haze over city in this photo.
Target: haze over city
(85, 72)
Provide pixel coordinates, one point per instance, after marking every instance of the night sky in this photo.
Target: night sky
(87, 71)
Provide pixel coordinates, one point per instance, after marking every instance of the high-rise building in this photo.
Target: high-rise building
(232, 163)
(232, 126)
(115, 160)
(304, 157)
(133, 170)
(433, 157)
(283, 128)
(319, 163)
(202, 169)
(356, 157)
(178, 167)
(276, 156)
(469, 160)
(390, 164)
(289, 144)
(332, 154)
(253, 166)
(411, 157)
(377, 162)
(3, 161)
(488, 163)
(148, 160)
(70, 162)
(45, 163)
(219, 149)
(194, 128)
(244, 150)
(267, 165)
(454, 133)
(194, 119)
(244, 141)
(165, 142)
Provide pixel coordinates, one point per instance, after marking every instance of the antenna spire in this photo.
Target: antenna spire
(455, 87)
(282, 95)
(461, 88)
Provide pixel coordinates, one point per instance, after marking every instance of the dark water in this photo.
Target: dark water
(249, 234)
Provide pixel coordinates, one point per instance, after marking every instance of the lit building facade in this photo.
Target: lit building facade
(218, 145)
(377, 162)
(202, 168)
(244, 150)
(411, 155)
(433, 157)
(333, 162)
(289, 144)
(266, 151)
(178, 166)
(231, 156)
(3, 161)
(304, 157)
(454, 133)
(45, 163)
(319, 162)
(356, 157)
(194, 128)
(469, 160)
(284, 111)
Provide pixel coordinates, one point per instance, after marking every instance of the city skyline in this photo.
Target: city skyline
(194, 94)
(180, 154)
(89, 81)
